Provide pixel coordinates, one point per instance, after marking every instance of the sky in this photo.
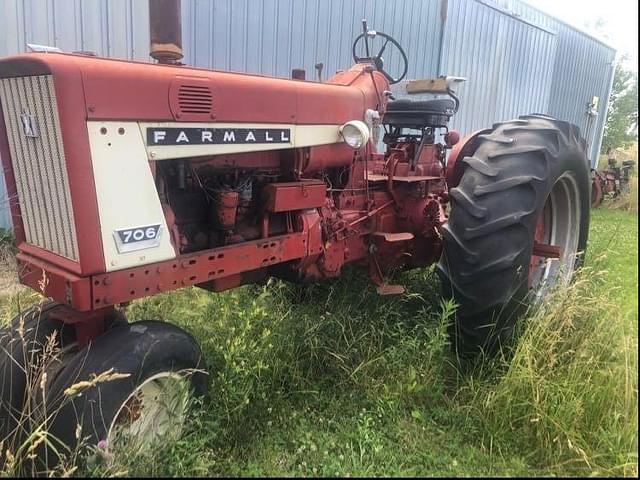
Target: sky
(613, 21)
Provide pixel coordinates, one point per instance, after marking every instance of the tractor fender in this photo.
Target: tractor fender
(464, 148)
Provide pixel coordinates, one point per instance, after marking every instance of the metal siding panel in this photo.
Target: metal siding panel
(604, 106)
(578, 70)
(254, 22)
(323, 47)
(297, 32)
(202, 54)
(269, 36)
(39, 22)
(237, 36)
(11, 27)
(312, 27)
(120, 32)
(221, 47)
(423, 40)
(501, 57)
(335, 34)
(66, 24)
(581, 71)
(283, 39)
(93, 25)
(140, 30)
(187, 16)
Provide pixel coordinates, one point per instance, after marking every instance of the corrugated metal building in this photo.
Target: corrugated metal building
(517, 59)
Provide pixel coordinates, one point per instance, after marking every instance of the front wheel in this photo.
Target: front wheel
(130, 387)
(27, 347)
(518, 224)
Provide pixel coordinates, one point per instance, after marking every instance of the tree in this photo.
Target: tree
(621, 127)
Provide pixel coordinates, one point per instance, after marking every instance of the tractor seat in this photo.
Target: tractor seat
(419, 114)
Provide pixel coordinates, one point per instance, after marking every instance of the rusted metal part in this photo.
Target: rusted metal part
(542, 250)
(369, 214)
(611, 182)
(192, 269)
(539, 237)
(286, 197)
(597, 194)
(452, 137)
(226, 212)
(88, 325)
(377, 277)
(165, 30)
(547, 251)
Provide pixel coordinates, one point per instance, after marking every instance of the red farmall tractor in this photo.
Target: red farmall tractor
(129, 179)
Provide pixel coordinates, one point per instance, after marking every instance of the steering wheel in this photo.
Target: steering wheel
(377, 59)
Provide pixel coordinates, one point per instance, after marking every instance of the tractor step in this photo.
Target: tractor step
(394, 237)
(386, 289)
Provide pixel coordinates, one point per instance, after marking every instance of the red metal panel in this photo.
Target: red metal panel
(328, 156)
(124, 90)
(49, 257)
(285, 197)
(125, 285)
(51, 281)
(118, 90)
(75, 139)
(191, 99)
(463, 148)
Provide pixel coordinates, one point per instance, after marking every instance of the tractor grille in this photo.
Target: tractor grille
(39, 166)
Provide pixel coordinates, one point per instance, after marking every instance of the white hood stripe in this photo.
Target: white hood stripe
(182, 140)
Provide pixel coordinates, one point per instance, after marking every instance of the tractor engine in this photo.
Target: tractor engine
(209, 206)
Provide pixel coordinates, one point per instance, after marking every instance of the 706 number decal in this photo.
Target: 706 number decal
(137, 238)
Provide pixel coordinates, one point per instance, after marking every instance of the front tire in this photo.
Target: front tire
(130, 385)
(528, 182)
(22, 355)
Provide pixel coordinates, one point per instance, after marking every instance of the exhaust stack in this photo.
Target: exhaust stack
(165, 31)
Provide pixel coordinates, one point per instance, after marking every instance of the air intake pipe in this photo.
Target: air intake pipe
(165, 31)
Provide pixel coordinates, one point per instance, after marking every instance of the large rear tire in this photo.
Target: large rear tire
(527, 181)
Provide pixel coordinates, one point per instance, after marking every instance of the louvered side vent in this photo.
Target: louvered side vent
(39, 165)
(195, 99)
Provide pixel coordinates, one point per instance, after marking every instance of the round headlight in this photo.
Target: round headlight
(355, 133)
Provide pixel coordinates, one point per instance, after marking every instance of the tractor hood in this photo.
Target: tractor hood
(125, 90)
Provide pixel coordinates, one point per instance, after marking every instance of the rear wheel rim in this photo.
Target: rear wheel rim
(154, 411)
(558, 225)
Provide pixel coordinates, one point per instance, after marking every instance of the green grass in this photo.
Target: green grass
(614, 234)
(335, 380)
